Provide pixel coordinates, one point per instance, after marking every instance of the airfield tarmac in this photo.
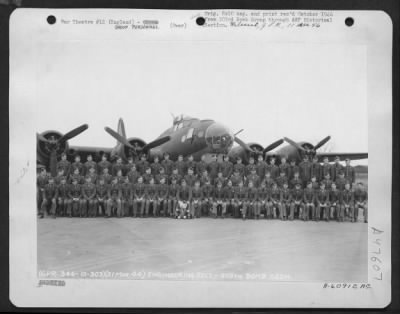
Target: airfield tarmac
(282, 250)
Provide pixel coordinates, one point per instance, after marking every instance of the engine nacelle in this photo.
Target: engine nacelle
(43, 147)
(239, 151)
(124, 151)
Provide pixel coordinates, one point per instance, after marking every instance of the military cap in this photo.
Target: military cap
(77, 155)
(360, 183)
(298, 184)
(347, 159)
(166, 154)
(63, 154)
(238, 158)
(337, 158)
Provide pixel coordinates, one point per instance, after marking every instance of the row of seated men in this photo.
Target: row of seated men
(259, 166)
(124, 198)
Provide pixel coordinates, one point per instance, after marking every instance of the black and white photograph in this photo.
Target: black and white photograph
(201, 150)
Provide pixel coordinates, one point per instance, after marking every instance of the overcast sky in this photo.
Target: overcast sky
(271, 90)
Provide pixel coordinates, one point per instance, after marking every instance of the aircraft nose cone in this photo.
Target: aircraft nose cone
(219, 137)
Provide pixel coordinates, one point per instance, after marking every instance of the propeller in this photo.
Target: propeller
(243, 144)
(119, 137)
(310, 151)
(272, 146)
(54, 144)
(123, 140)
(323, 142)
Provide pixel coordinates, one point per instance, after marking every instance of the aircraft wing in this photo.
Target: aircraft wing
(83, 151)
(343, 156)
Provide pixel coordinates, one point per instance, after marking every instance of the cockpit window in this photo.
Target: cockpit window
(190, 133)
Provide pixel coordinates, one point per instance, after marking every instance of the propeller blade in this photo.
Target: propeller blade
(323, 142)
(121, 127)
(240, 131)
(118, 137)
(41, 137)
(243, 144)
(273, 146)
(156, 143)
(73, 133)
(293, 143)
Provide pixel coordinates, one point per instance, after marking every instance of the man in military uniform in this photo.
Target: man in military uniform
(213, 168)
(175, 175)
(253, 177)
(75, 194)
(250, 167)
(107, 178)
(41, 180)
(76, 175)
(49, 197)
(341, 181)
(293, 169)
(139, 192)
(326, 168)
(327, 181)
(239, 167)
(133, 174)
(162, 196)
(184, 198)
(334, 202)
(261, 166)
(226, 167)
(336, 168)
(88, 201)
(236, 178)
(62, 197)
(219, 206)
(103, 164)
(253, 204)
(347, 209)
(197, 198)
(161, 175)
(201, 166)
(219, 179)
(172, 200)
(309, 201)
(297, 202)
(361, 199)
(126, 197)
(114, 199)
(91, 172)
(190, 178)
(147, 176)
(151, 198)
(142, 165)
(286, 200)
(282, 179)
(118, 166)
(296, 180)
(64, 164)
(208, 198)
(89, 164)
(316, 168)
(263, 197)
(305, 169)
(314, 183)
(272, 168)
(60, 175)
(155, 166)
(241, 198)
(190, 163)
(101, 194)
(284, 166)
(349, 172)
(167, 164)
(120, 178)
(229, 197)
(322, 200)
(275, 201)
(129, 166)
(77, 165)
(180, 164)
(269, 182)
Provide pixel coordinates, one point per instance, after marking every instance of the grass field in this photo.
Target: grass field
(280, 250)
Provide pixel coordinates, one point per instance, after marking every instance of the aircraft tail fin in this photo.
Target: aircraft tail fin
(121, 128)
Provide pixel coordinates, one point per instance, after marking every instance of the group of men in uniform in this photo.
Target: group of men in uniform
(309, 190)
